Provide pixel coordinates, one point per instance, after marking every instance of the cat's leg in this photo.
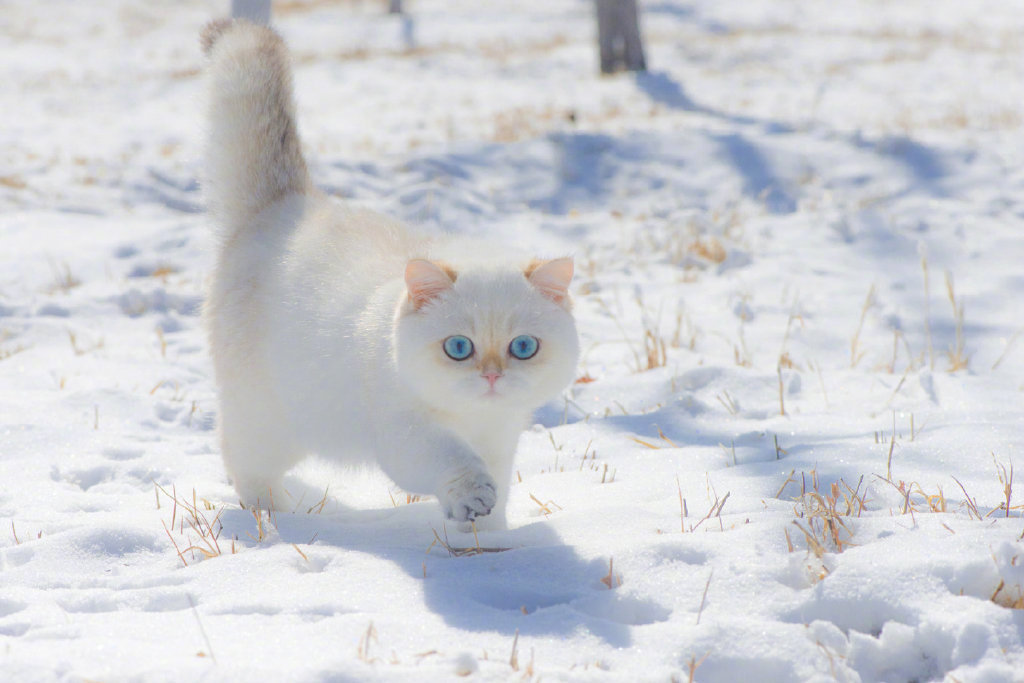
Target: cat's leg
(257, 451)
(424, 458)
(501, 469)
(498, 447)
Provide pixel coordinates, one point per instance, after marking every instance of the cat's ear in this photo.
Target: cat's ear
(552, 278)
(426, 280)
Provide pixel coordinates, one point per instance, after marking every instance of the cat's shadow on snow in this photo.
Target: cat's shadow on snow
(536, 584)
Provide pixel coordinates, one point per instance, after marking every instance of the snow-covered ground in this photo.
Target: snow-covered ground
(801, 267)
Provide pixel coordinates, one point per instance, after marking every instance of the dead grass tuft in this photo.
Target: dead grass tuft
(206, 530)
(15, 182)
(709, 248)
(655, 355)
(1009, 598)
(410, 498)
(63, 279)
(84, 348)
(822, 516)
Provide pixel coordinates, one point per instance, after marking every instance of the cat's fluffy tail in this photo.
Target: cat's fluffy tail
(253, 154)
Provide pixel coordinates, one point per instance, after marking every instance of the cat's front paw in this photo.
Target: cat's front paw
(470, 494)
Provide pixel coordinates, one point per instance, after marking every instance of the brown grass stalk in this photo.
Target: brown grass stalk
(704, 596)
(855, 354)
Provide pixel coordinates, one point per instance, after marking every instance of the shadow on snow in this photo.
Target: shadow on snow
(539, 586)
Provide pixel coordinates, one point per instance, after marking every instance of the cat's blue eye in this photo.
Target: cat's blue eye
(524, 347)
(458, 347)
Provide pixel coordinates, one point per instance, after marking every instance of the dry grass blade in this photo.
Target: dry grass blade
(779, 452)
(546, 507)
(892, 446)
(957, 359)
(899, 385)
(261, 533)
(612, 580)
(1006, 351)
(969, 503)
(693, 665)
(513, 659)
(813, 544)
(645, 444)
(860, 500)
(319, 506)
(363, 649)
(682, 507)
(661, 435)
(461, 552)
(714, 511)
(704, 596)
(206, 638)
(855, 353)
(1006, 599)
(789, 480)
(727, 402)
(174, 543)
(1006, 480)
(82, 349)
(7, 353)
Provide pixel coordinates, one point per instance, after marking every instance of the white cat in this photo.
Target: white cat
(336, 331)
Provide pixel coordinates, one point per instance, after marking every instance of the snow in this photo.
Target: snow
(778, 202)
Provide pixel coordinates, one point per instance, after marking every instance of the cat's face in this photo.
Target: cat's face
(489, 339)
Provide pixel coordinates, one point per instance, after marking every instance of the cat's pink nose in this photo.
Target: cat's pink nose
(492, 377)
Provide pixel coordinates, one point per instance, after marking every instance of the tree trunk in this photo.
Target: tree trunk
(256, 11)
(618, 36)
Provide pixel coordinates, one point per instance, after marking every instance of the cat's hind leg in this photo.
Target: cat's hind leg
(257, 449)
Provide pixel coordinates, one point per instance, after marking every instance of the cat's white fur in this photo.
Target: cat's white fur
(326, 321)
